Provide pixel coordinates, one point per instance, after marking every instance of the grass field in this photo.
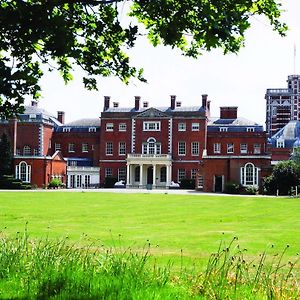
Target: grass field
(176, 226)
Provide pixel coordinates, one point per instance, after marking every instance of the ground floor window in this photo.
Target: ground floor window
(249, 175)
(181, 174)
(163, 174)
(122, 174)
(137, 174)
(23, 171)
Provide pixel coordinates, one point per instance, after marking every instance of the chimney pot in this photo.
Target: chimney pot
(173, 100)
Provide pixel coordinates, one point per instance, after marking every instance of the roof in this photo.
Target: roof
(36, 110)
(163, 109)
(95, 122)
(231, 122)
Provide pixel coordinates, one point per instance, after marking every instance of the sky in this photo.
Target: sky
(229, 80)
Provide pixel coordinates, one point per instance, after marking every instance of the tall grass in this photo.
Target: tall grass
(56, 269)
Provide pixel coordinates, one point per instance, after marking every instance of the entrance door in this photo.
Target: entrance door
(150, 175)
(218, 184)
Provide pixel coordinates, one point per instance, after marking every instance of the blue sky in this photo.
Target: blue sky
(239, 80)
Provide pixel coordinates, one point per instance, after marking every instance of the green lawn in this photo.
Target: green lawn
(194, 223)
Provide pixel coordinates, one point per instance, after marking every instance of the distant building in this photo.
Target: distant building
(282, 105)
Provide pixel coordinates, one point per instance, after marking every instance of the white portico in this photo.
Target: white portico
(149, 169)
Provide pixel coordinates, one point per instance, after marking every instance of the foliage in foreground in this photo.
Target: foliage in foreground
(54, 269)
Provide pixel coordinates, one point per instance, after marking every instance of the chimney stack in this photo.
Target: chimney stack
(137, 102)
(145, 104)
(173, 101)
(228, 112)
(61, 117)
(106, 103)
(204, 101)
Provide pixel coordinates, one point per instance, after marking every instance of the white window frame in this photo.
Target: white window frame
(122, 174)
(223, 129)
(249, 175)
(71, 147)
(23, 171)
(92, 129)
(57, 146)
(151, 147)
(26, 150)
(181, 174)
(109, 148)
(35, 152)
(244, 148)
(280, 143)
(181, 126)
(122, 148)
(108, 172)
(181, 148)
(195, 126)
(195, 148)
(151, 126)
(122, 127)
(84, 147)
(109, 127)
(230, 148)
(66, 129)
(257, 148)
(250, 129)
(217, 148)
(194, 173)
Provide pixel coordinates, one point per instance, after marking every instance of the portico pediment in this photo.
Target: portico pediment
(152, 113)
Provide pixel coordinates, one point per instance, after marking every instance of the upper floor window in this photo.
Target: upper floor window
(250, 129)
(92, 129)
(257, 148)
(280, 143)
(181, 126)
(223, 129)
(26, 150)
(85, 147)
(151, 147)
(243, 148)
(122, 148)
(122, 127)
(217, 147)
(71, 147)
(57, 146)
(35, 152)
(66, 129)
(230, 148)
(151, 126)
(109, 126)
(195, 126)
(109, 148)
(73, 163)
(18, 151)
(195, 148)
(181, 148)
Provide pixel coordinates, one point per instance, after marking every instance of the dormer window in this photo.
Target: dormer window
(92, 129)
(223, 129)
(250, 129)
(66, 129)
(32, 116)
(280, 143)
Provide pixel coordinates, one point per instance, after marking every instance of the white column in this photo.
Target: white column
(128, 175)
(168, 181)
(141, 176)
(154, 176)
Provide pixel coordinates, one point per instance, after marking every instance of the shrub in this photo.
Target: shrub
(55, 184)
(109, 182)
(269, 185)
(8, 182)
(232, 188)
(187, 183)
(250, 190)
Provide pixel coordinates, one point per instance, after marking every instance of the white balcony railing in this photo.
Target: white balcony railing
(145, 157)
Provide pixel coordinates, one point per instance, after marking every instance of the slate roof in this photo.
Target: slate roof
(92, 122)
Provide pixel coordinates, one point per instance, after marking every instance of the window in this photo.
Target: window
(243, 148)
(73, 163)
(57, 147)
(280, 143)
(85, 147)
(249, 175)
(108, 172)
(109, 127)
(217, 147)
(181, 126)
(151, 126)
(71, 147)
(181, 174)
(163, 174)
(200, 182)
(256, 148)
(122, 174)
(250, 129)
(151, 147)
(32, 116)
(26, 150)
(223, 129)
(79, 181)
(35, 152)
(122, 127)
(194, 173)
(195, 148)
(87, 181)
(66, 129)
(230, 148)
(122, 148)
(23, 171)
(181, 148)
(92, 129)
(18, 151)
(109, 148)
(195, 126)
(137, 174)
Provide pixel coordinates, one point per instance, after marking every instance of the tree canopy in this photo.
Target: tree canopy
(6, 157)
(88, 33)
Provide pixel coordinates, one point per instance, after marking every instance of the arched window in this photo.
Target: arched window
(151, 147)
(23, 171)
(249, 175)
(26, 150)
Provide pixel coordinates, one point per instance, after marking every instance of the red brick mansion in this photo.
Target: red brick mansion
(141, 145)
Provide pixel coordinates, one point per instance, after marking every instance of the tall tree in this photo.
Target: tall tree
(63, 33)
(6, 156)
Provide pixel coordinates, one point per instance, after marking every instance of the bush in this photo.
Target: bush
(188, 184)
(55, 184)
(8, 182)
(250, 190)
(269, 185)
(232, 188)
(109, 182)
